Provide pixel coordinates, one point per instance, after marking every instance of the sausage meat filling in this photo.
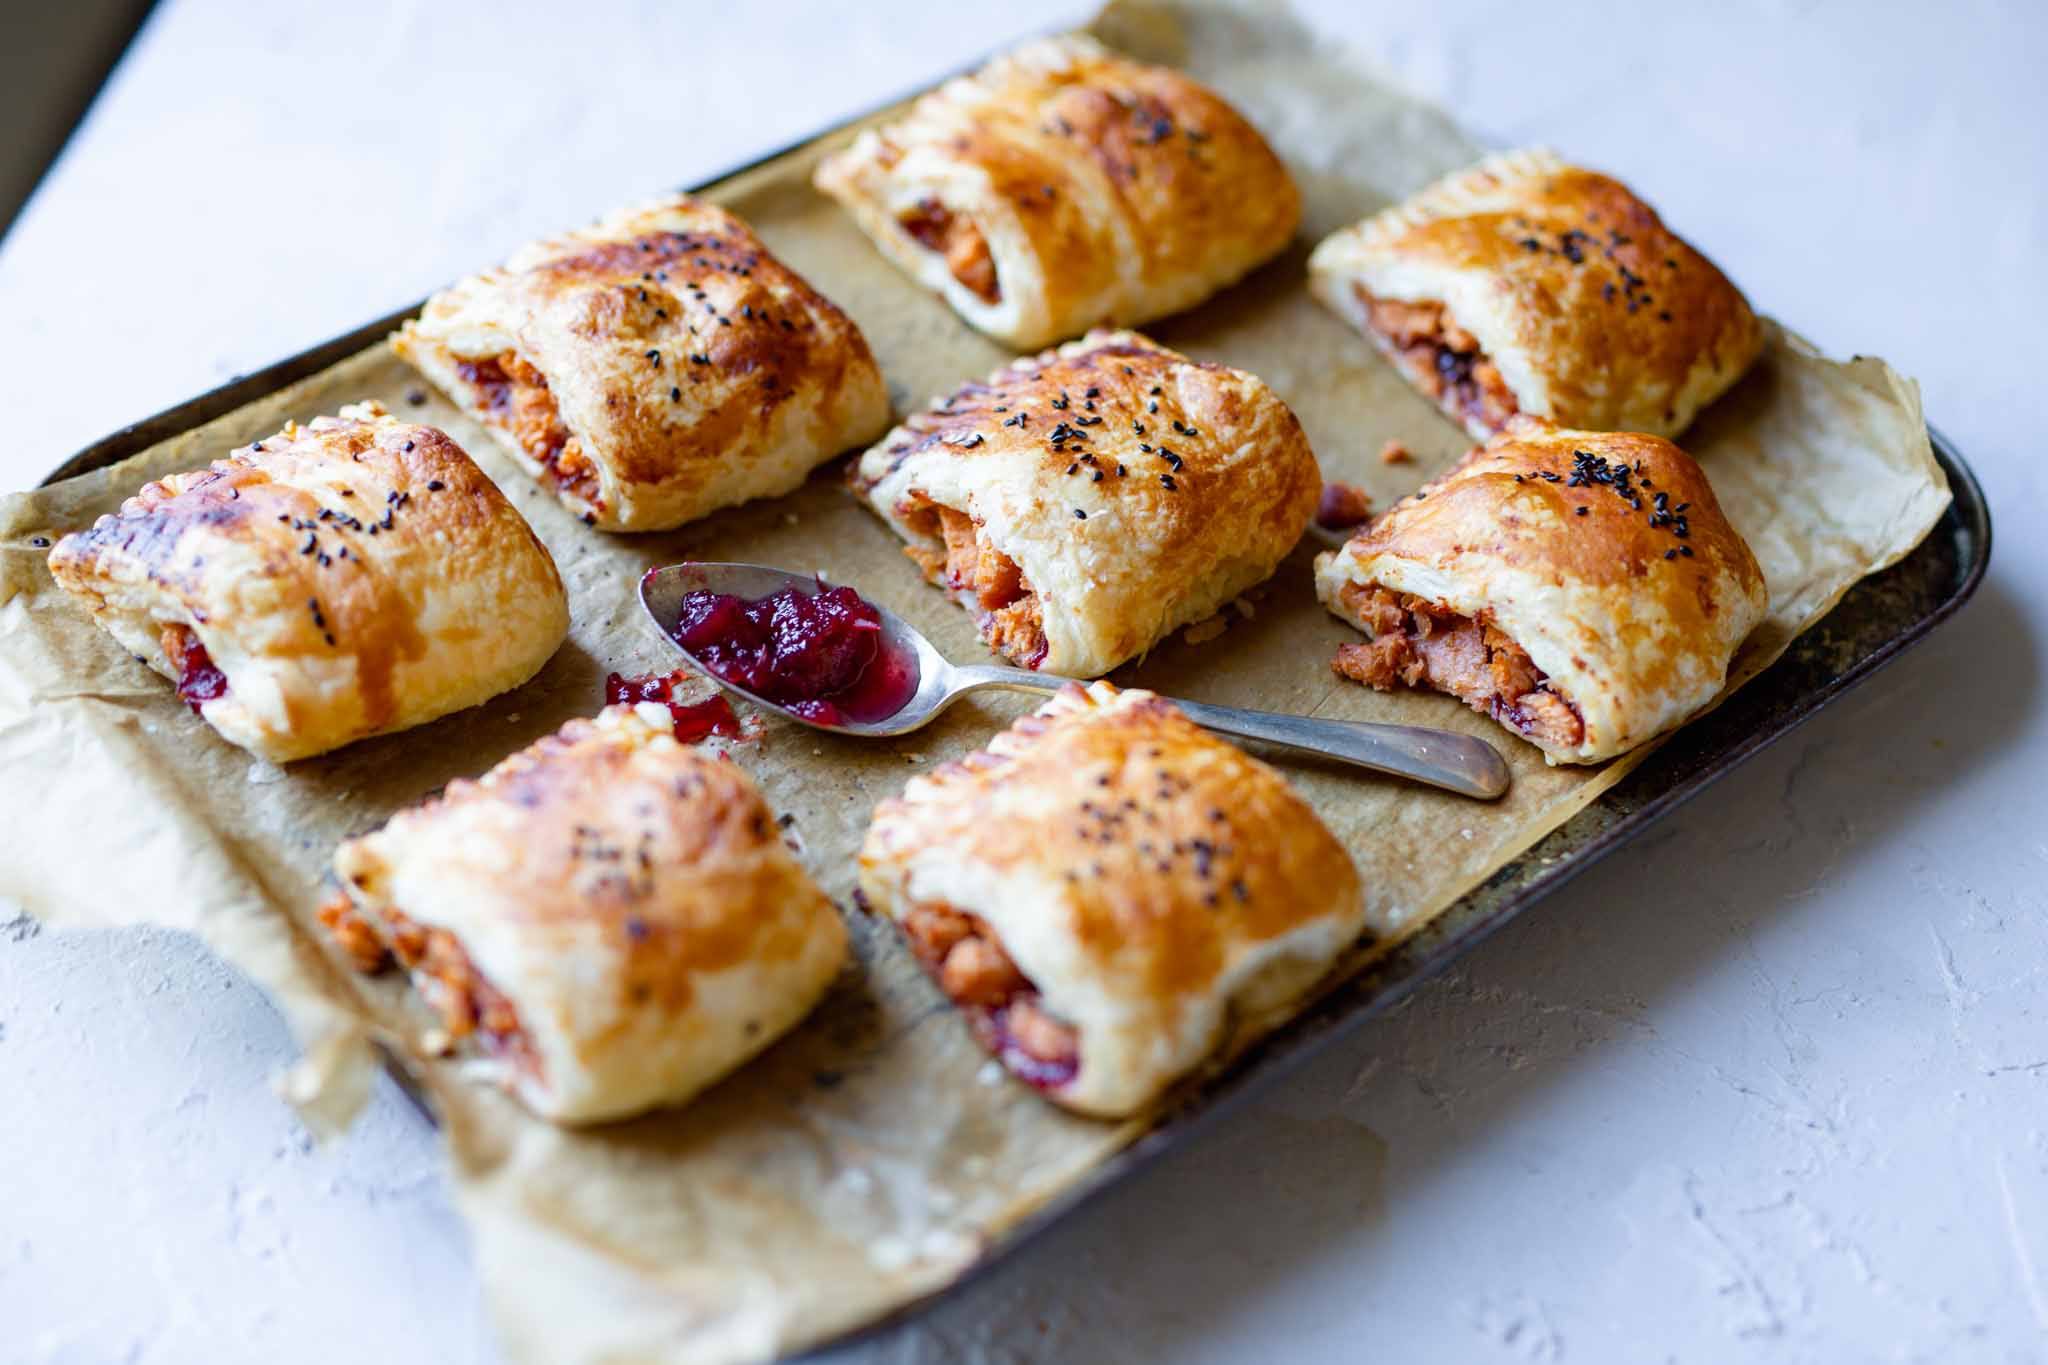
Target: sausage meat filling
(1419, 644)
(1442, 359)
(1012, 620)
(937, 228)
(963, 954)
(514, 397)
(468, 1005)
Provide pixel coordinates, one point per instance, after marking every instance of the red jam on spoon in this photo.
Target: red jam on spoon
(693, 719)
(821, 655)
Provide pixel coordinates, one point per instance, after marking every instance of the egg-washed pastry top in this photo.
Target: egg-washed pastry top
(1582, 588)
(606, 922)
(1107, 892)
(1089, 501)
(1063, 186)
(654, 367)
(1527, 285)
(345, 578)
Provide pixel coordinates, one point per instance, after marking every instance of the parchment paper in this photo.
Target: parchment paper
(873, 1155)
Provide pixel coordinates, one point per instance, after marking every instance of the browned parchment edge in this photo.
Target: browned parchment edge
(1875, 622)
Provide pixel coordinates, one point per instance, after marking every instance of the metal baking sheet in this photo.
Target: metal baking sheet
(1878, 620)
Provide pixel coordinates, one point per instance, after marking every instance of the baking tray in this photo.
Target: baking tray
(1878, 620)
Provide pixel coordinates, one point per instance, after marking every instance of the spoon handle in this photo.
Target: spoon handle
(1440, 758)
(963, 678)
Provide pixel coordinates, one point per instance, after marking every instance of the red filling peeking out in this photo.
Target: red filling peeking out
(199, 681)
(693, 719)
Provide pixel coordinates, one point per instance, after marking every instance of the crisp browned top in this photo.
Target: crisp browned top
(1116, 418)
(1590, 508)
(666, 348)
(1101, 156)
(334, 533)
(1597, 287)
(611, 842)
(1174, 847)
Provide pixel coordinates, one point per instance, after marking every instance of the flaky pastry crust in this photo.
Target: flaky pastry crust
(349, 577)
(654, 367)
(1152, 884)
(629, 896)
(1601, 555)
(1062, 187)
(1592, 312)
(1131, 490)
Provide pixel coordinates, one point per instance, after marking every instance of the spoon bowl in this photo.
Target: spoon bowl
(1439, 758)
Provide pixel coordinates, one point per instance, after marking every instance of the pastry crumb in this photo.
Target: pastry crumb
(1343, 506)
(1205, 630)
(1243, 606)
(1393, 452)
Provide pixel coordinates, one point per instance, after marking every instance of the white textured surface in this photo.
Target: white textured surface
(1771, 1086)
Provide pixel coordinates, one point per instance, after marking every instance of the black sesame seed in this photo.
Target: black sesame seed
(1079, 515)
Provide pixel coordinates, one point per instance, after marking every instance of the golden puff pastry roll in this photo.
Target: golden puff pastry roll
(1108, 893)
(1582, 588)
(1087, 502)
(1062, 187)
(653, 368)
(1526, 285)
(607, 922)
(349, 577)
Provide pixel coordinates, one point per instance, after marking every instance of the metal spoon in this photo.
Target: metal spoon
(1458, 763)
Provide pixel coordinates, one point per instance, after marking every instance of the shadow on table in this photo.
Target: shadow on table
(1156, 1265)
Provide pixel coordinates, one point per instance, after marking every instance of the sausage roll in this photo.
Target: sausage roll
(1063, 186)
(1106, 889)
(606, 922)
(1582, 588)
(653, 368)
(1527, 285)
(345, 578)
(1090, 501)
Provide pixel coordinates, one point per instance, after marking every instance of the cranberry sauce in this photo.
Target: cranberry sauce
(199, 680)
(819, 654)
(693, 719)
